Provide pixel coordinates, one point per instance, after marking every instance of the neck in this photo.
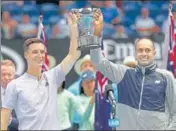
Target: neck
(34, 71)
(152, 62)
(89, 94)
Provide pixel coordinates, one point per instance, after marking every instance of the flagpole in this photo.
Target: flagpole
(39, 28)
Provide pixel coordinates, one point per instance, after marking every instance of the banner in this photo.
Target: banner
(114, 49)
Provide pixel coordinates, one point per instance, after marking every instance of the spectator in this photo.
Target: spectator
(80, 66)
(8, 25)
(111, 17)
(7, 75)
(67, 103)
(110, 13)
(87, 87)
(120, 32)
(60, 29)
(145, 26)
(26, 29)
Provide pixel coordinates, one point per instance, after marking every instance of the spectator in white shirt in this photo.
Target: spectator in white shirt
(8, 74)
(145, 26)
(26, 29)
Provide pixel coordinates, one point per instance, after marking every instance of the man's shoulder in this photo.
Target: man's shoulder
(53, 71)
(165, 73)
(17, 80)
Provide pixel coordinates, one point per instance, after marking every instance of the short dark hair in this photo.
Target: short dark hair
(142, 39)
(30, 41)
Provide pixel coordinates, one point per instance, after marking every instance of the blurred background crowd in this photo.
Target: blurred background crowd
(122, 19)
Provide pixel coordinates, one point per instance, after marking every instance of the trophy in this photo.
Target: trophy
(86, 38)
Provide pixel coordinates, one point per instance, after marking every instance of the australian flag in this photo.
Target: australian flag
(102, 107)
(171, 62)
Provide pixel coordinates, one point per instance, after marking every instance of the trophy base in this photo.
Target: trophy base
(89, 42)
(88, 47)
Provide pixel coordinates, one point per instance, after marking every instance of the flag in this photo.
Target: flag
(41, 35)
(171, 62)
(102, 107)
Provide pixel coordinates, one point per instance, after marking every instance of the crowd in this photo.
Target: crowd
(122, 19)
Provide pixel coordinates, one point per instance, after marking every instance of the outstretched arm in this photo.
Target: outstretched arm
(113, 72)
(73, 53)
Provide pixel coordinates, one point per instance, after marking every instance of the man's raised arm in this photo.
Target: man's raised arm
(114, 72)
(73, 53)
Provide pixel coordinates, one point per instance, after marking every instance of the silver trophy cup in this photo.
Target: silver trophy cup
(86, 38)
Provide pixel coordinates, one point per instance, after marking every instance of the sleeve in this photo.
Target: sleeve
(11, 95)
(171, 99)
(114, 72)
(56, 74)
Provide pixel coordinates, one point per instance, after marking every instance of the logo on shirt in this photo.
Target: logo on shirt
(157, 81)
